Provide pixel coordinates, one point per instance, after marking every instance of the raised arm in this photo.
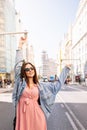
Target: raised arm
(17, 69)
(64, 74)
(19, 57)
(55, 87)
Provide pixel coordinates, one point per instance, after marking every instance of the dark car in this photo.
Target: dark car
(77, 78)
(68, 79)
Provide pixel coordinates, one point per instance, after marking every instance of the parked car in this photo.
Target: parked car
(68, 79)
(78, 78)
(44, 79)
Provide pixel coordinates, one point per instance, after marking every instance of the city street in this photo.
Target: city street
(43, 41)
(69, 112)
(70, 109)
(6, 110)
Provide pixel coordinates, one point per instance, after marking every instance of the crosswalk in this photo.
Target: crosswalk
(6, 97)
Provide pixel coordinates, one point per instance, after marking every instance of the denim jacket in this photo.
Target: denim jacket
(47, 91)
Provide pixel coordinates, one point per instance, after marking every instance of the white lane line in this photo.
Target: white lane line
(63, 87)
(73, 115)
(6, 98)
(62, 105)
(71, 121)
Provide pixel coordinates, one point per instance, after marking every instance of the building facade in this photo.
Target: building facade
(49, 66)
(7, 42)
(76, 42)
(79, 39)
(31, 54)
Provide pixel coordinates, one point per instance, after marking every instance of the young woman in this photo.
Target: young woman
(33, 101)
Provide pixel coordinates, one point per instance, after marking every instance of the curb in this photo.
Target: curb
(5, 90)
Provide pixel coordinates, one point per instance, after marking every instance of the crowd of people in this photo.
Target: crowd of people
(5, 83)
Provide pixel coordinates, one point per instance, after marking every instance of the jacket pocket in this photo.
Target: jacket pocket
(48, 98)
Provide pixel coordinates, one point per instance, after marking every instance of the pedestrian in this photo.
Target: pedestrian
(33, 101)
(1, 83)
(86, 80)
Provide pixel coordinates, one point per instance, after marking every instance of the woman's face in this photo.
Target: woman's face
(29, 71)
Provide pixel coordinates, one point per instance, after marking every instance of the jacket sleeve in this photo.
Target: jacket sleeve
(18, 63)
(17, 68)
(64, 74)
(55, 87)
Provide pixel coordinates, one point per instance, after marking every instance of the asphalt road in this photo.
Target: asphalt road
(69, 111)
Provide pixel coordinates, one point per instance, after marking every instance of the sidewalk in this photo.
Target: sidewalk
(3, 90)
(76, 83)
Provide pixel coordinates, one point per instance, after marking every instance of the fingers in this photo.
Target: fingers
(22, 40)
(25, 35)
(69, 66)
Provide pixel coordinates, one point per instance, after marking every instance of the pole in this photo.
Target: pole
(60, 60)
(11, 33)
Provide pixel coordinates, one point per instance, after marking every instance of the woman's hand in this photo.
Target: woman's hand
(69, 66)
(22, 41)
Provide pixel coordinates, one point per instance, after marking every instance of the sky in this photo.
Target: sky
(46, 21)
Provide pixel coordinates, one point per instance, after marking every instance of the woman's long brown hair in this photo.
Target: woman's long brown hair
(23, 74)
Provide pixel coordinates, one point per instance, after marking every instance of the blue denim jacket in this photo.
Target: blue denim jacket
(47, 91)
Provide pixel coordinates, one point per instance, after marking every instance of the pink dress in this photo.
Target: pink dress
(29, 114)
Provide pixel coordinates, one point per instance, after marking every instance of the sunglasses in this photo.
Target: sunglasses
(28, 69)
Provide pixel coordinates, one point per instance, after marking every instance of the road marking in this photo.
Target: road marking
(71, 121)
(6, 97)
(63, 87)
(73, 115)
(62, 105)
